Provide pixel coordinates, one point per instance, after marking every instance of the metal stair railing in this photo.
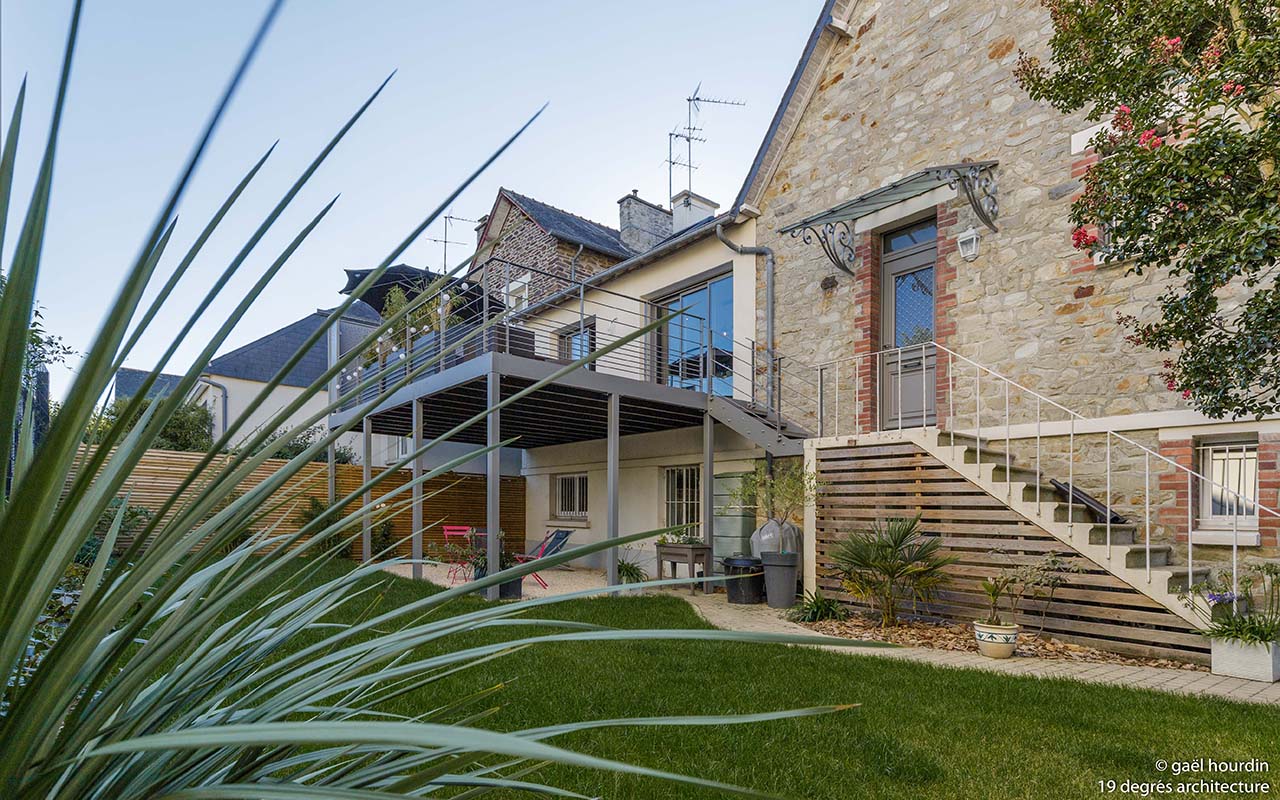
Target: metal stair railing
(855, 376)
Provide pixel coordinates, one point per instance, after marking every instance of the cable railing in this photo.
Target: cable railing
(532, 313)
(878, 391)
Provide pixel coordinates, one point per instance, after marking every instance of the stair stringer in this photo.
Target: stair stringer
(1157, 584)
(758, 431)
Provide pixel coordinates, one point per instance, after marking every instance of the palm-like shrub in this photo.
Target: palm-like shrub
(161, 684)
(892, 564)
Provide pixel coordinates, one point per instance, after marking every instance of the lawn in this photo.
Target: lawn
(920, 731)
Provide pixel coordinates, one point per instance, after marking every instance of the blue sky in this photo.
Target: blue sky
(146, 74)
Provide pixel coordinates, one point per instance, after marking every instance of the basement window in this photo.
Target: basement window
(683, 495)
(569, 496)
(1228, 500)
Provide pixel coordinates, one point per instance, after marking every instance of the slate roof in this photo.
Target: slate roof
(571, 227)
(259, 360)
(129, 381)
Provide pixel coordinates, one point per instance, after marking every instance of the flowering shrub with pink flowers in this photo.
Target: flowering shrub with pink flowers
(1188, 191)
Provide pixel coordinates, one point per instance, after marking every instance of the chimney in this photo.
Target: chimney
(480, 223)
(641, 223)
(688, 208)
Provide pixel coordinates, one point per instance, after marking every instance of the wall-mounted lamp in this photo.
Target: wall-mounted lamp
(967, 242)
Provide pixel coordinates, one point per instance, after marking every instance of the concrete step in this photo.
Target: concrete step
(1174, 576)
(1135, 556)
(1120, 534)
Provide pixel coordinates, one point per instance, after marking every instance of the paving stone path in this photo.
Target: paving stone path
(718, 612)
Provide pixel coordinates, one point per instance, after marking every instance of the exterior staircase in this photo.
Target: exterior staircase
(775, 435)
(1123, 549)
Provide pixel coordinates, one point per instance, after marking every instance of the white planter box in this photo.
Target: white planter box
(1256, 662)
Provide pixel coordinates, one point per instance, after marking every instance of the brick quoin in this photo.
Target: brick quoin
(944, 302)
(867, 300)
(1173, 516)
(1269, 488)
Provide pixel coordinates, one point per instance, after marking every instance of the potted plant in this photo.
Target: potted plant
(890, 565)
(780, 496)
(995, 637)
(1244, 641)
(510, 590)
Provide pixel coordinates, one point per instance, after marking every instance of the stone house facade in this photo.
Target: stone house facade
(888, 91)
(528, 250)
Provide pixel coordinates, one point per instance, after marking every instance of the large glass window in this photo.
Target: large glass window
(683, 341)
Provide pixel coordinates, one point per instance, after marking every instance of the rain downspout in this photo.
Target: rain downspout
(223, 389)
(768, 312)
(573, 265)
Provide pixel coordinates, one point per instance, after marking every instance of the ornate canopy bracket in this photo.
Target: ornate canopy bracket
(836, 240)
(978, 182)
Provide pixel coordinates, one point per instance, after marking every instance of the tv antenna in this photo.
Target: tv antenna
(689, 133)
(445, 241)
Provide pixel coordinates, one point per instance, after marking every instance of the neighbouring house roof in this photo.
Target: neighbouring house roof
(832, 25)
(410, 279)
(570, 227)
(129, 382)
(262, 358)
(413, 280)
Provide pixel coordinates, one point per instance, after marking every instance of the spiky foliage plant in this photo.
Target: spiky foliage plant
(161, 685)
(890, 565)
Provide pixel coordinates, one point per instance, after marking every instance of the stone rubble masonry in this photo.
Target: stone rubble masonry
(641, 224)
(521, 241)
(929, 83)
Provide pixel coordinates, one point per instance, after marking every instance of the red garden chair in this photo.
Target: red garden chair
(460, 535)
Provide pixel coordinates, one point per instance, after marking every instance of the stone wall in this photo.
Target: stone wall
(522, 242)
(929, 83)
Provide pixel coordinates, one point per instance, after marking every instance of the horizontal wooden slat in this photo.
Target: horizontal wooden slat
(454, 498)
(1093, 607)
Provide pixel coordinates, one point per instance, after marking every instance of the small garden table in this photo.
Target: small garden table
(690, 554)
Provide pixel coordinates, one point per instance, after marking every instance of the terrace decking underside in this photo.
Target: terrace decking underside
(573, 408)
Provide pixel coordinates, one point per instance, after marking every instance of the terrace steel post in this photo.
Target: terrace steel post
(332, 477)
(417, 491)
(611, 461)
(366, 524)
(493, 485)
(708, 476)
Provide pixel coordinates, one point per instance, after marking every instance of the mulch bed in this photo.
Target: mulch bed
(959, 637)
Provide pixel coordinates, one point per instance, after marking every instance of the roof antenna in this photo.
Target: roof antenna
(689, 134)
(446, 241)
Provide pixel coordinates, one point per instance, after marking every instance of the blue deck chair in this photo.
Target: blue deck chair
(551, 544)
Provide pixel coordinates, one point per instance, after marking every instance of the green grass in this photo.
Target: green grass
(920, 731)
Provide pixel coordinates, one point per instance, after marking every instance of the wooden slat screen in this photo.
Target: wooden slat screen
(875, 482)
(460, 499)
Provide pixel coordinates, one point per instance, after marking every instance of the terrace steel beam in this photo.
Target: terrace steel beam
(708, 477)
(417, 492)
(493, 483)
(615, 411)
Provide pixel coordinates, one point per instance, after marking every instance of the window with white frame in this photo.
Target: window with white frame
(569, 496)
(1228, 499)
(683, 498)
(517, 294)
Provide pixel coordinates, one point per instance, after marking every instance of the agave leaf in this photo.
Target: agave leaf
(104, 554)
(391, 734)
(17, 304)
(8, 156)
